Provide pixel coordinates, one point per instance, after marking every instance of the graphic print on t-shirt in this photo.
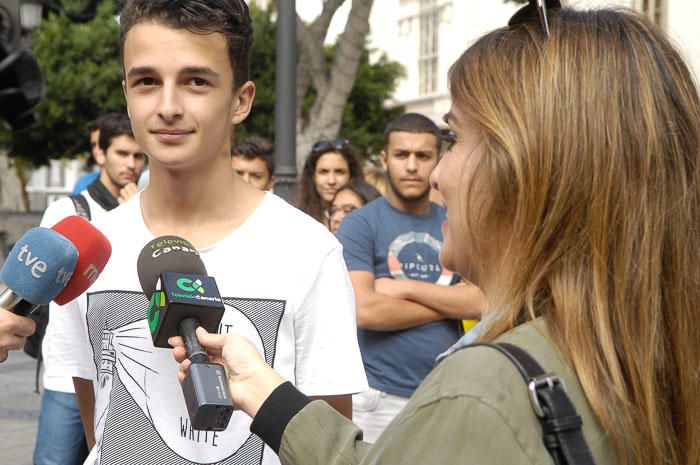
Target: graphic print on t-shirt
(416, 255)
(142, 401)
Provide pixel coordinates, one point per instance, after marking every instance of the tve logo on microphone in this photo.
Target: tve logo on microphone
(37, 266)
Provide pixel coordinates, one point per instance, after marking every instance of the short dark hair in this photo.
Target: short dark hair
(228, 17)
(113, 125)
(365, 191)
(254, 147)
(412, 122)
(94, 125)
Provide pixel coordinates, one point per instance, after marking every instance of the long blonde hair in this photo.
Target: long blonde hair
(591, 142)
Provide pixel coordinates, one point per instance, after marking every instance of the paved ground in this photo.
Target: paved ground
(19, 409)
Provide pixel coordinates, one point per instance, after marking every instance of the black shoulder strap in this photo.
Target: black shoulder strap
(561, 424)
(82, 207)
(102, 195)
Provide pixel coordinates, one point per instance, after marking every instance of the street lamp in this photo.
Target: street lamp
(30, 12)
(21, 83)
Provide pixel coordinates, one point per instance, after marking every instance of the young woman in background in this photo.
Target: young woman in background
(331, 165)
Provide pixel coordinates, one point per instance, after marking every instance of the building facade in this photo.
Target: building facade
(427, 36)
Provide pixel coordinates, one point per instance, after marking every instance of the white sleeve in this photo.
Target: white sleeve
(57, 211)
(66, 348)
(71, 352)
(328, 360)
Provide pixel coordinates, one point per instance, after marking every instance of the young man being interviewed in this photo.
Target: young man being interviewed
(186, 85)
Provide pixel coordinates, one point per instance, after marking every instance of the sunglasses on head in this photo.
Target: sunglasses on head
(535, 8)
(329, 145)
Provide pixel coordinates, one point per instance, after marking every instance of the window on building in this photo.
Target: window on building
(428, 54)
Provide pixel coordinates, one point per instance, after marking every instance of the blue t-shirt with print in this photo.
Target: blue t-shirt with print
(390, 243)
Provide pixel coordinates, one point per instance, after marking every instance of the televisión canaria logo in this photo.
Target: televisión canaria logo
(190, 286)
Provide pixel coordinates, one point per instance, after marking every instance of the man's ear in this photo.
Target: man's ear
(243, 102)
(271, 182)
(382, 158)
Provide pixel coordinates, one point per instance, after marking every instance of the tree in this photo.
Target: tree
(83, 72)
(363, 116)
(77, 49)
(332, 84)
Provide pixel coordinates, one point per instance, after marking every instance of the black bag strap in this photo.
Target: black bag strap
(561, 424)
(82, 207)
(33, 344)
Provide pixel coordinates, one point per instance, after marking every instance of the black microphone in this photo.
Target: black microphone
(182, 297)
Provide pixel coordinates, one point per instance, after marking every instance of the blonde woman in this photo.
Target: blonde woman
(573, 192)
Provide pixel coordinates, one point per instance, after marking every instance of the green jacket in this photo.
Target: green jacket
(473, 408)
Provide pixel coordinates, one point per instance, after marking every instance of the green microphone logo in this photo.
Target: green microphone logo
(190, 286)
(156, 303)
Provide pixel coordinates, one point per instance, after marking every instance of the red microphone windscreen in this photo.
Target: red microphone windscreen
(94, 251)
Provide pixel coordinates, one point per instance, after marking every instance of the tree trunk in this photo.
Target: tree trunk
(311, 65)
(333, 86)
(13, 197)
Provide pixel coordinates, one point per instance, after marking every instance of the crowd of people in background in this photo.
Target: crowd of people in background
(402, 230)
(391, 248)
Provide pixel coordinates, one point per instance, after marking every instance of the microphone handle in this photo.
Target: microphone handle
(14, 303)
(195, 351)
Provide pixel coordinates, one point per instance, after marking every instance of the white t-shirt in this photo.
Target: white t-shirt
(55, 379)
(285, 287)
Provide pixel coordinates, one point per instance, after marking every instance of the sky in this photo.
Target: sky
(309, 9)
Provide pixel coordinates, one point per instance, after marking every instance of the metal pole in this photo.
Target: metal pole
(285, 100)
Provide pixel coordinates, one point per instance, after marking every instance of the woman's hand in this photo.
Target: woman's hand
(250, 378)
